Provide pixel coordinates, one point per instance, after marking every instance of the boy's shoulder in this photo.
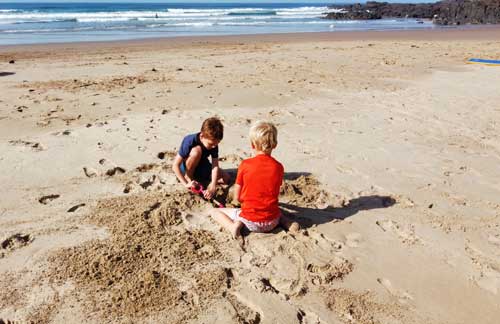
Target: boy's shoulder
(261, 159)
(191, 137)
(188, 142)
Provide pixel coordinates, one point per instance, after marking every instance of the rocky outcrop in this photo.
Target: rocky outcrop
(468, 12)
(447, 12)
(378, 10)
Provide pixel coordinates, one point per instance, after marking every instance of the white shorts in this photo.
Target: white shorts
(259, 227)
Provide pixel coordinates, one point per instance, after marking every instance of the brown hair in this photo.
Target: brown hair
(212, 128)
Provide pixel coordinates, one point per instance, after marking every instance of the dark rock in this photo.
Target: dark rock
(460, 12)
(12, 62)
(378, 10)
(447, 12)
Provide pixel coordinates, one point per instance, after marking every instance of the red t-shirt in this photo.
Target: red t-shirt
(260, 179)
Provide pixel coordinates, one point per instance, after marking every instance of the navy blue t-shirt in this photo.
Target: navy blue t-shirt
(193, 140)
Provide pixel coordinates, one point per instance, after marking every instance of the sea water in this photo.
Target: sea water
(25, 23)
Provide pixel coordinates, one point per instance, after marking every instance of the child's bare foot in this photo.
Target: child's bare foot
(294, 227)
(289, 225)
(236, 229)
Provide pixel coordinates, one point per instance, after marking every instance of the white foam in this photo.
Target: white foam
(299, 13)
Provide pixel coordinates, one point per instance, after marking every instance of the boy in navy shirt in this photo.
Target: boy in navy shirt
(191, 165)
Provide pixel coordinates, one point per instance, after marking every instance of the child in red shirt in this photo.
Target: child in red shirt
(257, 187)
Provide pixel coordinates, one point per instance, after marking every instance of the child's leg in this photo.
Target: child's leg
(288, 224)
(221, 216)
(192, 161)
(224, 177)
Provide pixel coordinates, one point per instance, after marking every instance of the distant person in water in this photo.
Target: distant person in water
(257, 187)
(192, 166)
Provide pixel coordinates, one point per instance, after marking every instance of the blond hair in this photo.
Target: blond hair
(264, 136)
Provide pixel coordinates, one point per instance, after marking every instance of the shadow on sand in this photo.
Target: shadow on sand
(308, 217)
(2, 74)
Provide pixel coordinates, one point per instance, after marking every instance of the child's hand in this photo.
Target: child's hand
(209, 193)
(191, 184)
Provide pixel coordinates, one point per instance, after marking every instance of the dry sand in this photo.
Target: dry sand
(391, 147)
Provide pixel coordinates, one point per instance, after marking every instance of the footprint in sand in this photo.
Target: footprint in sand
(353, 240)
(345, 169)
(151, 182)
(46, 199)
(112, 167)
(33, 146)
(166, 155)
(75, 207)
(488, 277)
(14, 242)
(308, 317)
(489, 280)
(407, 235)
(402, 296)
(116, 170)
(66, 132)
(2, 321)
(494, 239)
(131, 187)
(145, 167)
(326, 243)
(244, 313)
(90, 172)
(231, 158)
(326, 273)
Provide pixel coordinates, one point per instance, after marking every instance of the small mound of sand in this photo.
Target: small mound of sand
(152, 208)
(146, 261)
(304, 191)
(152, 267)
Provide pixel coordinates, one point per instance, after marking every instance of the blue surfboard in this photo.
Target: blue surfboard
(481, 61)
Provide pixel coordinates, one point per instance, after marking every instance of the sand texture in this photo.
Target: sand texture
(391, 149)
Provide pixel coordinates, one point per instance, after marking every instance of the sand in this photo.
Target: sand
(390, 144)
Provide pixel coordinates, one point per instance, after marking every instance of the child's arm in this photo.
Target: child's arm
(184, 179)
(215, 177)
(237, 190)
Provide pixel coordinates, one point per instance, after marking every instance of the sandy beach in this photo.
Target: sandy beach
(391, 148)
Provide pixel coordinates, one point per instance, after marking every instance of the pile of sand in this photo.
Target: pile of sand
(148, 264)
(155, 264)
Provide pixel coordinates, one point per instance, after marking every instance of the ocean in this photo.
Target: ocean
(27, 23)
